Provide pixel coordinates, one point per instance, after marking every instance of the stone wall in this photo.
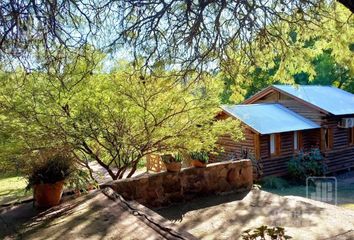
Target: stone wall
(164, 188)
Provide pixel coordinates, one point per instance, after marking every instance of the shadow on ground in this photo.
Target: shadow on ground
(226, 217)
(94, 216)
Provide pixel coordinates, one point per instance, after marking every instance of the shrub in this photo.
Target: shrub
(306, 164)
(200, 156)
(264, 233)
(80, 180)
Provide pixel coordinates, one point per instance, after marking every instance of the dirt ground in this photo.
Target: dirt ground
(226, 217)
(95, 216)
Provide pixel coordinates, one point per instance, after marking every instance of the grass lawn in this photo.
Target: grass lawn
(12, 188)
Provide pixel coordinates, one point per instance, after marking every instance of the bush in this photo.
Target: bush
(306, 164)
(274, 182)
(265, 233)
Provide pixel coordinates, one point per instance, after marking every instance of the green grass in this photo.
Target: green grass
(12, 188)
(142, 163)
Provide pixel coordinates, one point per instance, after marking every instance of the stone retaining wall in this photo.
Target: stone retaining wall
(164, 188)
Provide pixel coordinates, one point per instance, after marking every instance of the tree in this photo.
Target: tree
(189, 34)
(320, 54)
(115, 119)
(328, 72)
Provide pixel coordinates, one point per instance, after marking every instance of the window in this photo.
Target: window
(274, 144)
(351, 136)
(328, 136)
(297, 140)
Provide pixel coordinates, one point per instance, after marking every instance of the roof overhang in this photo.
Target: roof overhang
(269, 118)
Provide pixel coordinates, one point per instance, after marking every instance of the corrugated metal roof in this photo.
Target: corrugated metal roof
(330, 99)
(267, 118)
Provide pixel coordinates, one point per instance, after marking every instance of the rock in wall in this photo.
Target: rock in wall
(164, 188)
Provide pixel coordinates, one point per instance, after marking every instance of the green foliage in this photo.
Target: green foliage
(169, 158)
(201, 156)
(306, 164)
(318, 54)
(12, 188)
(114, 119)
(49, 168)
(264, 233)
(178, 158)
(273, 182)
(80, 180)
(142, 163)
(10, 146)
(328, 72)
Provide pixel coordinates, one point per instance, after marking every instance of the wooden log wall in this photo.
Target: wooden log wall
(278, 165)
(311, 138)
(341, 156)
(229, 149)
(294, 105)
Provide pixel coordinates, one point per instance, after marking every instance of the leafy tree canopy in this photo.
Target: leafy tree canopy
(320, 53)
(114, 119)
(186, 34)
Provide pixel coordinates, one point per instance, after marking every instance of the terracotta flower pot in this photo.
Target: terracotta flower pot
(48, 195)
(173, 166)
(197, 163)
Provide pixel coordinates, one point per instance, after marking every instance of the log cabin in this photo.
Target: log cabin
(280, 120)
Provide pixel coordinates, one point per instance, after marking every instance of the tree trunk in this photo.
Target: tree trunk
(132, 171)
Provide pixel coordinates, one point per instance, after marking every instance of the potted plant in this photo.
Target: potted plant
(172, 163)
(199, 159)
(46, 178)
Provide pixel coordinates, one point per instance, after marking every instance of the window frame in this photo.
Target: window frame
(328, 137)
(297, 140)
(274, 139)
(351, 136)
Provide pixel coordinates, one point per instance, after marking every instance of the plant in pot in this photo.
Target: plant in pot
(46, 177)
(172, 163)
(199, 159)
